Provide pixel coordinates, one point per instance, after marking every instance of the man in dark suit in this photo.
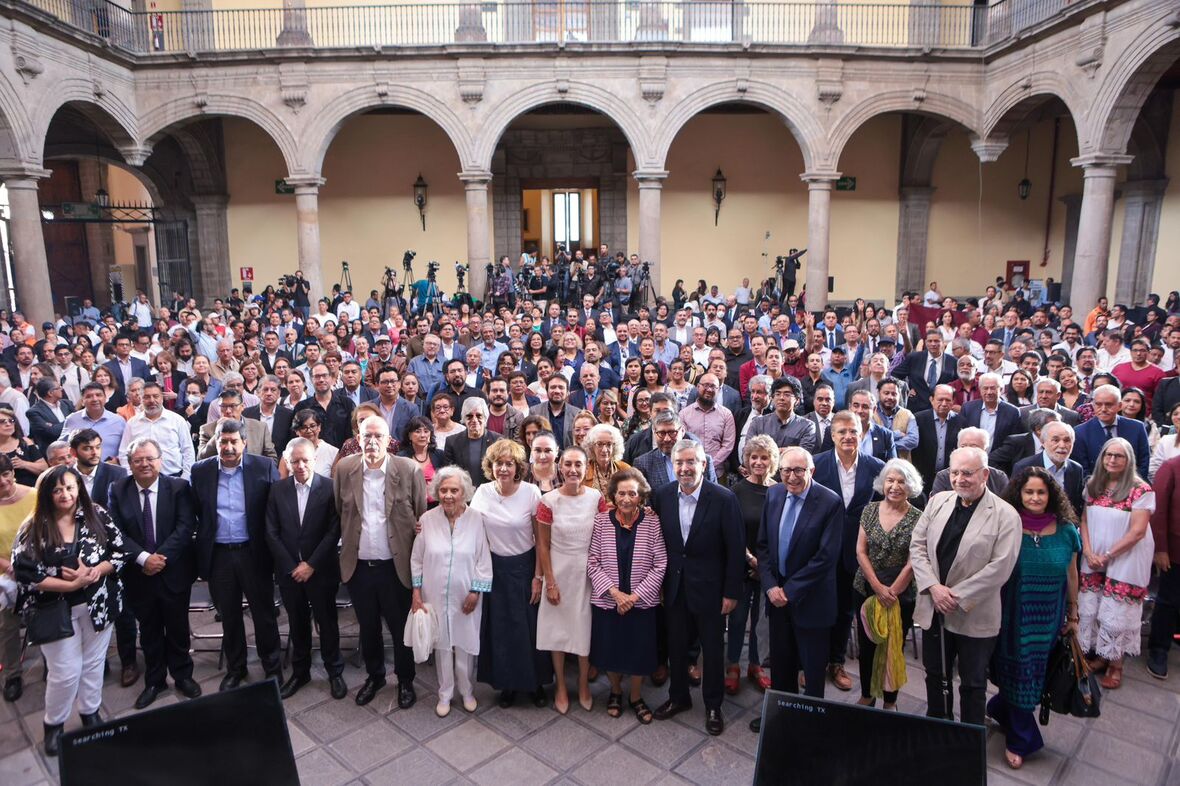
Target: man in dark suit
(271, 414)
(706, 546)
(232, 490)
(798, 550)
(558, 410)
(272, 350)
(1167, 395)
(938, 432)
(123, 366)
(1048, 396)
(1057, 443)
(332, 404)
(923, 370)
(1106, 423)
(48, 414)
(156, 516)
(823, 401)
(302, 529)
(876, 441)
(831, 470)
(467, 450)
(992, 414)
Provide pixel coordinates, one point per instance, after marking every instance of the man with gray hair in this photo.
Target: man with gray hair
(235, 382)
(1057, 440)
(657, 465)
(1020, 446)
(972, 437)
(1047, 395)
(1106, 423)
(57, 454)
(963, 549)
(466, 449)
(302, 529)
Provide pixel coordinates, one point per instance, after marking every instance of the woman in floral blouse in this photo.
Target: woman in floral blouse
(68, 548)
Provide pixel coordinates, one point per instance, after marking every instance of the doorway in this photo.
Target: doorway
(565, 215)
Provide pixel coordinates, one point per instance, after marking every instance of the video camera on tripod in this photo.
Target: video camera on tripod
(781, 262)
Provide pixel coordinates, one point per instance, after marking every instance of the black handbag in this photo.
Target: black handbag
(1070, 687)
(48, 621)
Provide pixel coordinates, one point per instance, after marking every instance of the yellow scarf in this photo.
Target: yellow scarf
(883, 626)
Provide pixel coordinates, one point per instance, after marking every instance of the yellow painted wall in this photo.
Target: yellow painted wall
(1167, 254)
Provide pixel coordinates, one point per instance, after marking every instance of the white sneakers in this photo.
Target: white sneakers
(442, 709)
(469, 703)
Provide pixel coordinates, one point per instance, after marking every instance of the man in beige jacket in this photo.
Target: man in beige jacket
(964, 548)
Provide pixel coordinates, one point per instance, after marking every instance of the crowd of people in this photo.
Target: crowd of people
(623, 488)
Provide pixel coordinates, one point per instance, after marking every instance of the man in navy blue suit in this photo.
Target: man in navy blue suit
(123, 366)
(995, 416)
(232, 490)
(849, 473)
(876, 441)
(1107, 423)
(1057, 441)
(798, 550)
(703, 533)
(924, 370)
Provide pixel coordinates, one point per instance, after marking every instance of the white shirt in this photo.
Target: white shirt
(508, 521)
(374, 542)
(688, 509)
(302, 491)
(352, 310)
(847, 479)
(153, 497)
(987, 421)
(171, 432)
(88, 480)
(1107, 361)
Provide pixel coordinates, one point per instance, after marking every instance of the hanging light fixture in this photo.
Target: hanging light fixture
(420, 199)
(1024, 187)
(718, 194)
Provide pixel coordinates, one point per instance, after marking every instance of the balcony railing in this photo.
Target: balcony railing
(716, 22)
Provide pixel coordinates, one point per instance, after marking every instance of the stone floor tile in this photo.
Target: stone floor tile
(617, 766)
(663, 744)
(375, 742)
(715, 763)
(12, 737)
(1077, 773)
(516, 723)
(1145, 698)
(417, 766)
(1132, 763)
(515, 767)
(319, 768)
(420, 722)
(333, 719)
(301, 743)
(614, 728)
(1038, 769)
(564, 744)
(20, 769)
(467, 745)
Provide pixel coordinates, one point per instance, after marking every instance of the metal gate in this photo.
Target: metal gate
(172, 262)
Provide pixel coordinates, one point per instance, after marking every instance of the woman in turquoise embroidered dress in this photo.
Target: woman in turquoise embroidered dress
(1039, 603)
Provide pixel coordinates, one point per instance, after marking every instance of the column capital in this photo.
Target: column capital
(1101, 164)
(650, 178)
(989, 149)
(135, 155)
(9, 173)
(476, 178)
(309, 184)
(823, 181)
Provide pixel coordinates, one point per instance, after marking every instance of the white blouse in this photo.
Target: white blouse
(508, 521)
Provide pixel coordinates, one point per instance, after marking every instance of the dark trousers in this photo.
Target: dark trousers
(1167, 609)
(125, 635)
(746, 611)
(316, 598)
(972, 655)
(235, 573)
(793, 648)
(842, 630)
(163, 618)
(378, 594)
(868, 649)
(684, 627)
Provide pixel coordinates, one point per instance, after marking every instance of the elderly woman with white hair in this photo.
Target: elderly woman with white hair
(603, 444)
(884, 570)
(450, 568)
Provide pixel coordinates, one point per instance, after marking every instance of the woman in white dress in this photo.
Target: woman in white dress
(1117, 551)
(508, 657)
(1168, 446)
(565, 522)
(450, 566)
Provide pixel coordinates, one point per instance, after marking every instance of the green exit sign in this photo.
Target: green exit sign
(846, 184)
(283, 187)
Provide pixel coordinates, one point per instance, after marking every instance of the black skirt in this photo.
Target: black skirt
(623, 644)
(508, 655)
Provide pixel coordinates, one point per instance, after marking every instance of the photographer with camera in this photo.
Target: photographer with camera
(501, 284)
(537, 286)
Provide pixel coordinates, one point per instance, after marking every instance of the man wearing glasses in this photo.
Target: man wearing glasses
(964, 548)
(258, 439)
(333, 404)
(782, 424)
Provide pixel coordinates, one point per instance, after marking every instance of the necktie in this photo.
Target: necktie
(932, 374)
(786, 527)
(831, 339)
(149, 525)
(1110, 432)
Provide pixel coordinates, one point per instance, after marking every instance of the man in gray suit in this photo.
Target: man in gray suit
(656, 465)
(557, 410)
(1048, 396)
(257, 436)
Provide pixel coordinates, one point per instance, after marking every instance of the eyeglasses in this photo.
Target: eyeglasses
(303, 426)
(796, 471)
(965, 473)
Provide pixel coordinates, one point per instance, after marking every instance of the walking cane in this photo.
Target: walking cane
(945, 682)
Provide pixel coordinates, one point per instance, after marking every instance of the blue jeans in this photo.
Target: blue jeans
(748, 604)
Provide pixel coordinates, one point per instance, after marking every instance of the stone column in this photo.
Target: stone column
(30, 268)
(913, 234)
(1142, 200)
(1088, 280)
(307, 214)
(651, 185)
(819, 219)
(1073, 213)
(213, 277)
(479, 251)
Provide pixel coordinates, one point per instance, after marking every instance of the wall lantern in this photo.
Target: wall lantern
(101, 197)
(718, 194)
(1024, 187)
(420, 198)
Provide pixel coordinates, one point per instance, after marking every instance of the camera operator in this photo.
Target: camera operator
(624, 285)
(502, 284)
(593, 283)
(298, 289)
(537, 283)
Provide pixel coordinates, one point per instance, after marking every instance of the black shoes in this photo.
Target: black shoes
(507, 699)
(714, 723)
(231, 681)
(148, 696)
(293, 684)
(188, 687)
(14, 688)
(671, 709)
(338, 687)
(1157, 666)
(91, 719)
(369, 690)
(53, 738)
(756, 725)
(406, 695)
(540, 698)
(130, 675)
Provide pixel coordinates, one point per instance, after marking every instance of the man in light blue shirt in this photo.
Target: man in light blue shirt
(490, 350)
(94, 415)
(231, 505)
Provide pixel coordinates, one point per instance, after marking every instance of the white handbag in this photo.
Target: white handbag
(421, 632)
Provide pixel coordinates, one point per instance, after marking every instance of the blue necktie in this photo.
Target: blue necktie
(786, 527)
(932, 375)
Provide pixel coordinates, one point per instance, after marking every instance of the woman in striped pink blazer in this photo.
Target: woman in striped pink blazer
(626, 569)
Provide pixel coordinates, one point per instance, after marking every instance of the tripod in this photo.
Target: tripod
(345, 277)
(643, 286)
(434, 298)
